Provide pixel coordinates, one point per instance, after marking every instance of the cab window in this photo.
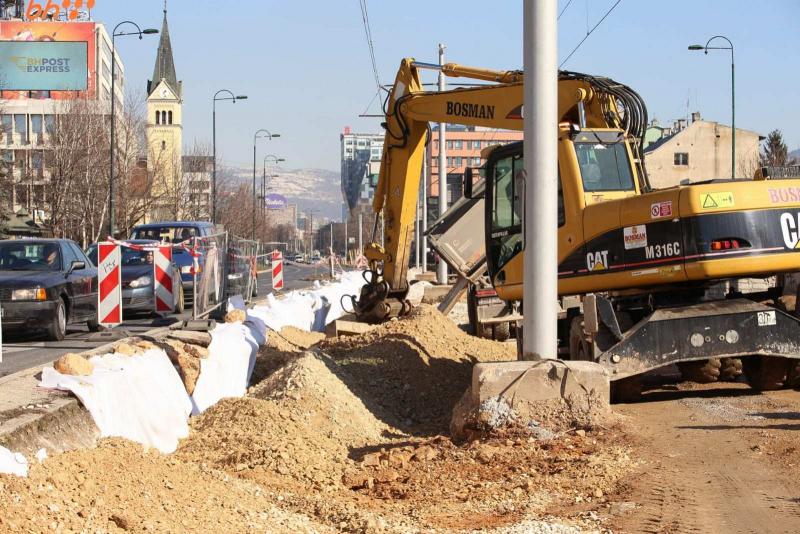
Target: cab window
(604, 166)
(508, 179)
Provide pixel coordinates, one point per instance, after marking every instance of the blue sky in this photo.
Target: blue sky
(306, 68)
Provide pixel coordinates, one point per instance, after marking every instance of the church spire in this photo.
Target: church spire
(165, 64)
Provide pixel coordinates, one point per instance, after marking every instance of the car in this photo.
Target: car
(298, 258)
(46, 284)
(179, 232)
(137, 278)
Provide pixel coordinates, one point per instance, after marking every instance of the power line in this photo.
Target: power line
(590, 32)
(565, 8)
(368, 34)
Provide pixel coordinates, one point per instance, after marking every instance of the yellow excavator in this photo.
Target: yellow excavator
(645, 276)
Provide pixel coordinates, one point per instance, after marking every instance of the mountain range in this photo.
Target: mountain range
(318, 189)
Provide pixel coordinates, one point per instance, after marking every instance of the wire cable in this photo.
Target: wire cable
(563, 10)
(590, 32)
(370, 45)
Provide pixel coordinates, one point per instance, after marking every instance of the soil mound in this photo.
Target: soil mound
(298, 425)
(415, 368)
(118, 486)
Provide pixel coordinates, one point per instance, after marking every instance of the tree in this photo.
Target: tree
(775, 151)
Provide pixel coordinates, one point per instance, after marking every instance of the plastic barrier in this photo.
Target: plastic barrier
(109, 275)
(162, 278)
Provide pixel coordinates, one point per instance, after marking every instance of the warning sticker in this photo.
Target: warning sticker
(709, 201)
(635, 236)
(661, 209)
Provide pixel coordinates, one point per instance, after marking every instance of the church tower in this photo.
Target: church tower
(165, 129)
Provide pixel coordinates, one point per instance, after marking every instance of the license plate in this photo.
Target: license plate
(766, 318)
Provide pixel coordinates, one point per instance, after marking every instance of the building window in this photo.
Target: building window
(458, 159)
(681, 159)
(458, 145)
(49, 124)
(476, 145)
(21, 128)
(163, 145)
(448, 144)
(170, 117)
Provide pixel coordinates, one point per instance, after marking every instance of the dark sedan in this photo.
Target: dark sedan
(46, 284)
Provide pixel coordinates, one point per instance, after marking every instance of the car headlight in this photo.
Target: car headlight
(142, 281)
(35, 293)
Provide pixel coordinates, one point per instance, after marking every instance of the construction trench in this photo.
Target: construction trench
(355, 434)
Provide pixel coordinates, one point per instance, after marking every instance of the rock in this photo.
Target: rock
(73, 364)
(425, 453)
(121, 521)
(145, 345)
(127, 349)
(399, 458)
(196, 351)
(236, 316)
(581, 433)
(598, 493)
(384, 476)
(485, 453)
(372, 459)
(618, 508)
(188, 336)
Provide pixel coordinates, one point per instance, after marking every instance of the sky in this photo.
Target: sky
(306, 68)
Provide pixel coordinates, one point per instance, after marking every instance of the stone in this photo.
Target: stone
(73, 364)
(196, 350)
(581, 433)
(426, 453)
(372, 459)
(127, 349)
(236, 316)
(399, 458)
(188, 336)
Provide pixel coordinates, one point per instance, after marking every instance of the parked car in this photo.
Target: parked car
(138, 289)
(178, 232)
(46, 284)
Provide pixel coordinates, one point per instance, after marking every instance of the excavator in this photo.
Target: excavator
(646, 278)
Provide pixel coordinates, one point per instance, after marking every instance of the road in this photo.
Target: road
(21, 352)
(718, 458)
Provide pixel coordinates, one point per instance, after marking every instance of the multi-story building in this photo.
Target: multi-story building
(698, 151)
(28, 118)
(463, 146)
(197, 175)
(361, 158)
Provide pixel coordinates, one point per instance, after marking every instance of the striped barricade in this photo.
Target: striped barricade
(109, 275)
(162, 280)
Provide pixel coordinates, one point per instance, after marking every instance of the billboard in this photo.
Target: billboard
(60, 32)
(43, 66)
(275, 202)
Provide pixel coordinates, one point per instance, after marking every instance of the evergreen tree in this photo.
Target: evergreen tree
(775, 151)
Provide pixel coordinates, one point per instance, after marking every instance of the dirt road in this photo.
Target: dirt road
(718, 458)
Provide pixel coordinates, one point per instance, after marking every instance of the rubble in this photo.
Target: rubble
(236, 316)
(73, 364)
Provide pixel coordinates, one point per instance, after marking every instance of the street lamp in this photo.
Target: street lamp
(276, 160)
(706, 48)
(256, 137)
(216, 98)
(114, 34)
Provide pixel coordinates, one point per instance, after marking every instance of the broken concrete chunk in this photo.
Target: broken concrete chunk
(236, 316)
(195, 338)
(126, 349)
(73, 364)
(196, 351)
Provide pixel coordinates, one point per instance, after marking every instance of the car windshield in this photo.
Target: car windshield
(18, 256)
(170, 234)
(604, 166)
(132, 258)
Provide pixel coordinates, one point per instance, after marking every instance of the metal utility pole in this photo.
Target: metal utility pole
(233, 98)
(256, 137)
(111, 185)
(540, 290)
(441, 275)
(706, 48)
(425, 175)
(360, 231)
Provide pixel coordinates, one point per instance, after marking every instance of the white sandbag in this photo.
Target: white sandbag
(226, 372)
(13, 463)
(140, 398)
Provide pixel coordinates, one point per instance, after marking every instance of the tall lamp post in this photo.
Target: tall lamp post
(276, 160)
(258, 135)
(111, 190)
(706, 48)
(216, 99)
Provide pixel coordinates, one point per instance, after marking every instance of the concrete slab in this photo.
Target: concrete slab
(435, 294)
(547, 394)
(347, 326)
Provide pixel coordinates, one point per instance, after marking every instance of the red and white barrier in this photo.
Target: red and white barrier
(162, 280)
(277, 270)
(109, 275)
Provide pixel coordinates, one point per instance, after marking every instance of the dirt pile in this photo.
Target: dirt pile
(297, 426)
(120, 487)
(281, 348)
(73, 364)
(415, 369)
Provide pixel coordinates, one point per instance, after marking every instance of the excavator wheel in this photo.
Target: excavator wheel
(767, 373)
(701, 371)
(731, 369)
(580, 345)
(501, 331)
(626, 390)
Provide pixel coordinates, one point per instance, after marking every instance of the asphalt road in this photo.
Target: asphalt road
(21, 352)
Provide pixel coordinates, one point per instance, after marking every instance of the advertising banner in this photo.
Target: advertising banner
(19, 31)
(275, 202)
(43, 66)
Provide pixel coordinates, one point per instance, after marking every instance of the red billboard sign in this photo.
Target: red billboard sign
(15, 30)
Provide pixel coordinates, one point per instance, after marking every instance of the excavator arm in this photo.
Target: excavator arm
(585, 100)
